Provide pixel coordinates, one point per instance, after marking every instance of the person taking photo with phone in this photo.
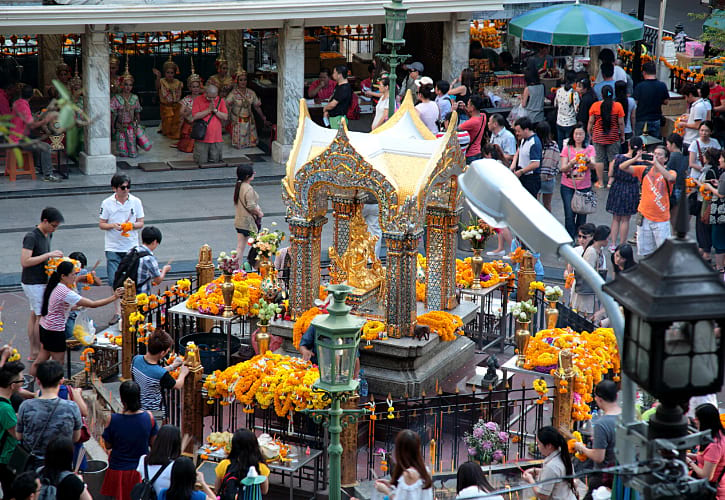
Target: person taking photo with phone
(653, 211)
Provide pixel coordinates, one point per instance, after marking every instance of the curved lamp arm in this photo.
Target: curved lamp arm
(496, 195)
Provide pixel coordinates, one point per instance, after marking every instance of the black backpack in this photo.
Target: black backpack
(145, 489)
(231, 488)
(128, 268)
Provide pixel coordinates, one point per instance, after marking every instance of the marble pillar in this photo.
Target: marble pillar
(455, 45)
(232, 41)
(304, 250)
(97, 158)
(290, 87)
(401, 311)
(49, 57)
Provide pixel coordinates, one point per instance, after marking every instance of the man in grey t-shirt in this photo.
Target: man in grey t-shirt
(602, 450)
(43, 418)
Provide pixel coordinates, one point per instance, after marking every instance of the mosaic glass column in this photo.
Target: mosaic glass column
(401, 312)
(442, 227)
(343, 210)
(304, 249)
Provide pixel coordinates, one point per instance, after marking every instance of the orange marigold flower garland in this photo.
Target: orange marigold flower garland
(302, 324)
(126, 228)
(87, 358)
(517, 256)
(445, 324)
(247, 292)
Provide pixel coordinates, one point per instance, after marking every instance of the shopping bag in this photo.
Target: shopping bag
(84, 330)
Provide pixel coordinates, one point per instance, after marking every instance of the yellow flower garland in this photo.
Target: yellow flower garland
(443, 323)
(271, 379)
(594, 353)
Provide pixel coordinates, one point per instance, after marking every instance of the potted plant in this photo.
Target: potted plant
(523, 312)
(476, 232)
(486, 443)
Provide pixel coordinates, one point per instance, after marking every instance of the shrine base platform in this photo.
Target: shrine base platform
(407, 365)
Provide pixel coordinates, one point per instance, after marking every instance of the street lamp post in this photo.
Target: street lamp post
(337, 336)
(395, 17)
(671, 343)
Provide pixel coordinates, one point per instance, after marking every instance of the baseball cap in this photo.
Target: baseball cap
(424, 80)
(416, 66)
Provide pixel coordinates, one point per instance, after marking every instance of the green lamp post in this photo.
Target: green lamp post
(395, 17)
(337, 336)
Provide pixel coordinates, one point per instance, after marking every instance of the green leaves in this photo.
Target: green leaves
(62, 91)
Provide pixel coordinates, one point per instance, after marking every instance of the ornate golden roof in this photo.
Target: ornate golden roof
(403, 150)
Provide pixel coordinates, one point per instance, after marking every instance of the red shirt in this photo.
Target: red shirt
(214, 129)
(717, 94)
(475, 127)
(325, 92)
(21, 116)
(598, 134)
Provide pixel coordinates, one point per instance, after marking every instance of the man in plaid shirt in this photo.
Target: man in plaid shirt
(148, 267)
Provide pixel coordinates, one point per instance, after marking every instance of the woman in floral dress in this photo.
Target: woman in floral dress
(126, 112)
(241, 103)
(193, 83)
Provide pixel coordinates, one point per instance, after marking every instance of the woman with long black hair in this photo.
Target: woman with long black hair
(165, 449)
(247, 213)
(58, 299)
(472, 483)
(606, 128)
(184, 477)
(709, 462)
(245, 453)
(557, 463)
(629, 105)
(58, 471)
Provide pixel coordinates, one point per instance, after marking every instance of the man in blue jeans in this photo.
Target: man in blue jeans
(650, 95)
(119, 208)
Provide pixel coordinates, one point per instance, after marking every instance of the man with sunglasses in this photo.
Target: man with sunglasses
(11, 381)
(117, 209)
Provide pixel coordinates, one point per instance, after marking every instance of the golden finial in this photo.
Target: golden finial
(127, 74)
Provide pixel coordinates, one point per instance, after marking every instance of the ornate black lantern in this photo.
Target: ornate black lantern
(674, 310)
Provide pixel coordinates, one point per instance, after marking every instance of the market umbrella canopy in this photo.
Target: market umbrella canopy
(576, 24)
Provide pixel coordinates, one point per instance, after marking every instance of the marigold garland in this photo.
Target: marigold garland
(571, 443)
(302, 324)
(445, 324)
(247, 292)
(126, 228)
(266, 380)
(594, 355)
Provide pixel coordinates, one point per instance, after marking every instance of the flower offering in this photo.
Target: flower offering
(486, 443)
(266, 242)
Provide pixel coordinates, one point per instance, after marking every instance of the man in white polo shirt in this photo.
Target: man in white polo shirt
(117, 209)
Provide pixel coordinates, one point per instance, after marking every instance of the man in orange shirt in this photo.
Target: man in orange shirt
(654, 203)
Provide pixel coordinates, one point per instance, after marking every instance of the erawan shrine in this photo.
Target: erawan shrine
(458, 273)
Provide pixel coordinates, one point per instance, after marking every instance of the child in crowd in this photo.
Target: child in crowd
(148, 267)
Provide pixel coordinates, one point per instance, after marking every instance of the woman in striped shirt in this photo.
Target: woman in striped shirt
(606, 128)
(59, 297)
